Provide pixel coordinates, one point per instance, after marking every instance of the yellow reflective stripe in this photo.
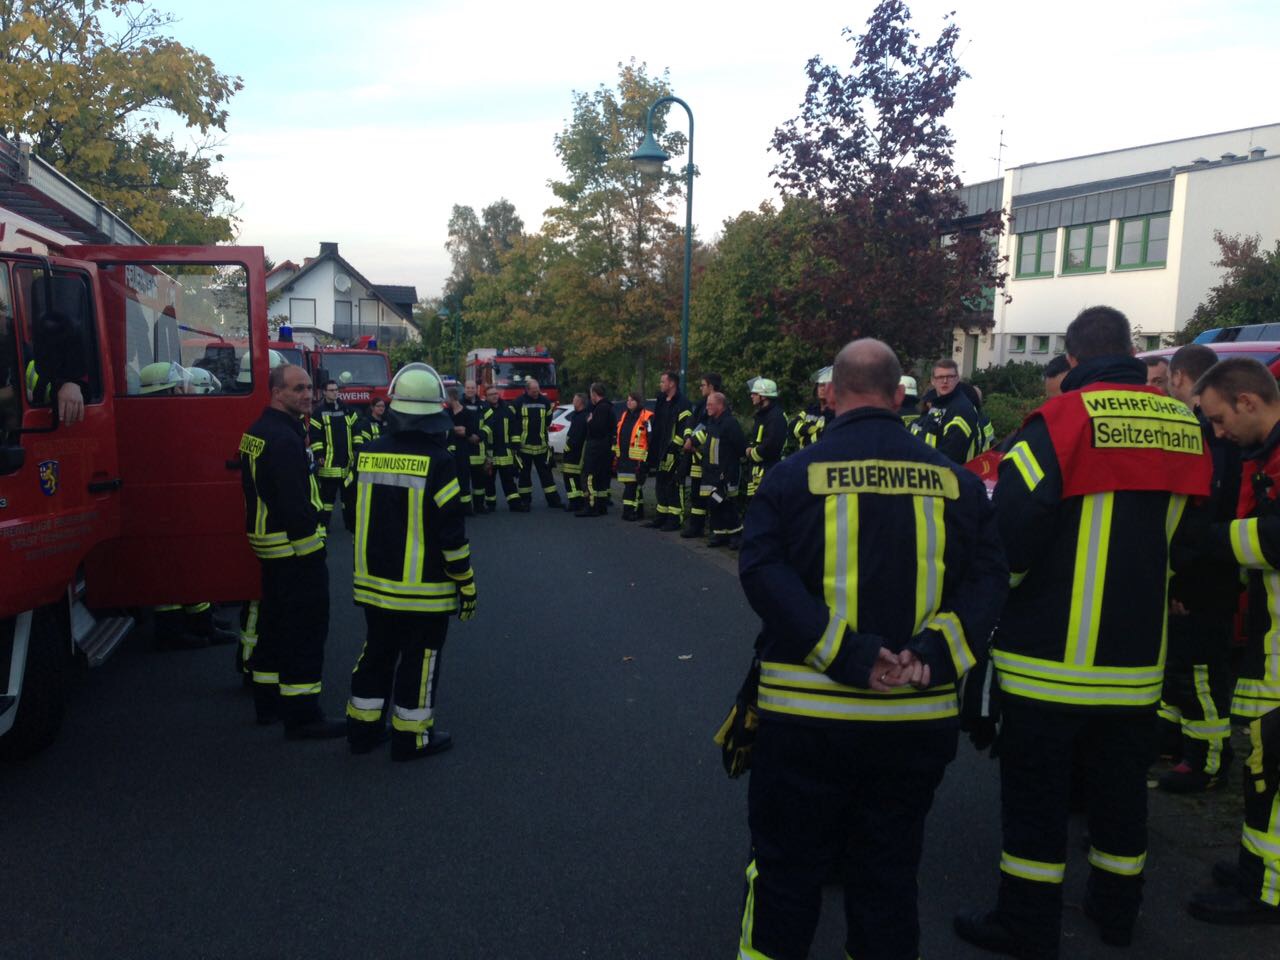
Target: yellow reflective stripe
(800, 690)
(1055, 670)
(431, 588)
(363, 715)
(825, 650)
(461, 553)
(1214, 730)
(274, 538)
(949, 625)
(1081, 695)
(447, 492)
(405, 604)
(1093, 544)
(1117, 864)
(361, 535)
(299, 689)
(960, 423)
(266, 677)
(1037, 870)
(307, 545)
(1246, 545)
(1016, 578)
(746, 948)
(931, 538)
(1026, 463)
(415, 538)
(840, 557)
(1271, 639)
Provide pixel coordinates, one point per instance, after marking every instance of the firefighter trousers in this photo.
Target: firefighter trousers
(406, 647)
(507, 473)
(816, 791)
(632, 490)
(541, 461)
(669, 492)
(598, 467)
(479, 483)
(574, 489)
(722, 510)
(293, 624)
(248, 636)
(1035, 746)
(1260, 839)
(698, 505)
(1198, 686)
(330, 493)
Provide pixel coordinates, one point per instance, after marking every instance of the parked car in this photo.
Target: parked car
(558, 432)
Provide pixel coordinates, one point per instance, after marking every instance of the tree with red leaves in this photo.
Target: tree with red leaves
(871, 149)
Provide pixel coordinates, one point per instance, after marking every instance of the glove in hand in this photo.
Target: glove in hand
(467, 601)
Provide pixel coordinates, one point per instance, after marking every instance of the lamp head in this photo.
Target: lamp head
(649, 157)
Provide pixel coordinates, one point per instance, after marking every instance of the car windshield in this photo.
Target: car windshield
(513, 373)
(365, 369)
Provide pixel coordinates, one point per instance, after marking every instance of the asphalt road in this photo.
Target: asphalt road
(582, 813)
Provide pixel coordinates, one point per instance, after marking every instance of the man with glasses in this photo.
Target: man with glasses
(951, 424)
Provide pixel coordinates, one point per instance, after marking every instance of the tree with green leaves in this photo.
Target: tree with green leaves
(92, 83)
(1249, 291)
(871, 150)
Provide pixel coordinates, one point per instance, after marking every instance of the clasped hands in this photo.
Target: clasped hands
(898, 670)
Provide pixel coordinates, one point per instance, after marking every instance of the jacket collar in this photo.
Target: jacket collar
(864, 415)
(295, 423)
(1112, 369)
(1266, 449)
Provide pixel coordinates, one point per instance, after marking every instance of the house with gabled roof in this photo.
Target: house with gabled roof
(328, 297)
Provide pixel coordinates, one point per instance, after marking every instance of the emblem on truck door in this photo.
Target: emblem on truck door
(48, 473)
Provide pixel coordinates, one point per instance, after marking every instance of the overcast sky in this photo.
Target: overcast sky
(364, 124)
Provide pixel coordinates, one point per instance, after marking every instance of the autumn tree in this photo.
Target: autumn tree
(94, 85)
(1249, 291)
(476, 243)
(870, 148)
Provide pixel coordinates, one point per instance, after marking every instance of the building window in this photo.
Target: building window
(1086, 248)
(1151, 342)
(1017, 344)
(1040, 344)
(1036, 253)
(1143, 242)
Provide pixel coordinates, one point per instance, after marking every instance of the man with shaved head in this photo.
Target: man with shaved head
(724, 445)
(875, 566)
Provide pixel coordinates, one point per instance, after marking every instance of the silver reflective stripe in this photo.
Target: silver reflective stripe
(838, 708)
(841, 572)
(414, 546)
(394, 480)
(1052, 670)
(932, 561)
(415, 715)
(367, 703)
(1095, 505)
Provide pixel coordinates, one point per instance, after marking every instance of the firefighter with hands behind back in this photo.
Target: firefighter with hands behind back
(412, 568)
(332, 436)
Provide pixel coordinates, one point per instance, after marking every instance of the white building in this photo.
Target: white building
(327, 295)
(1132, 229)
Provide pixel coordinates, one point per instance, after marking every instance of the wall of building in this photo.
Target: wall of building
(318, 285)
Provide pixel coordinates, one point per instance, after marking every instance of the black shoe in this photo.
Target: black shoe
(656, 522)
(1231, 907)
(590, 512)
(573, 506)
(438, 741)
(1108, 933)
(735, 542)
(361, 739)
(181, 640)
(628, 514)
(217, 637)
(317, 729)
(670, 525)
(984, 930)
(1185, 778)
(1226, 873)
(553, 502)
(690, 532)
(718, 540)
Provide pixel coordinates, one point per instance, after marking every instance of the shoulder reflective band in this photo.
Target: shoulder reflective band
(251, 445)
(885, 477)
(1130, 420)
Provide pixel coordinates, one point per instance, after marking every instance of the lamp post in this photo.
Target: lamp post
(447, 313)
(649, 159)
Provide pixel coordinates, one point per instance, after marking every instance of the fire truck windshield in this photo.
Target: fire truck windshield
(291, 355)
(365, 369)
(513, 373)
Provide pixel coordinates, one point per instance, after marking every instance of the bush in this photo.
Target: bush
(1008, 411)
(1019, 378)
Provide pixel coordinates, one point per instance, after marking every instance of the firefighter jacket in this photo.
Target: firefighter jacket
(672, 420)
(575, 444)
(332, 427)
(281, 497)
(499, 426)
(632, 439)
(461, 447)
(807, 428)
(366, 428)
(534, 416)
(411, 549)
(1253, 541)
(768, 435)
(986, 429)
(1089, 499)
(910, 410)
(722, 445)
(697, 418)
(869, 539)
(952, 426)
(478, 408)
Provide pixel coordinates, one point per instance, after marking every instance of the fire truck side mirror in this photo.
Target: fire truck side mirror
(11, 459)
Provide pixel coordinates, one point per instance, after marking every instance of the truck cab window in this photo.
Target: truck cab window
(11, 377)
(55, 322)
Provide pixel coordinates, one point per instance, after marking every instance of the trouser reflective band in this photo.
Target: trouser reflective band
(746, 949)
(264, 677)
(365, 709)
(1035, 870)
(1168, 711)
(299, 689)
(1114, 863)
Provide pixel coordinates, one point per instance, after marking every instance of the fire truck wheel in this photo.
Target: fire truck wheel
(44, 688)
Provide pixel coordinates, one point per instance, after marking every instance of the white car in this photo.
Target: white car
(559, 429)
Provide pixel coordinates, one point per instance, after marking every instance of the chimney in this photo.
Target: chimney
(1257, 153)
(328, 247)
(1200, 162)
(1227, 157)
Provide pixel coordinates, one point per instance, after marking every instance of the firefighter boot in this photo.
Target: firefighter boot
(414, 746)
(553, 501)
(365, 737)
(172, 632)
(693, 529)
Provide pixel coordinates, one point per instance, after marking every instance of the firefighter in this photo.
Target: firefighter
(463, 425)
(1088, 502)
(575, 448)
(598, 457)
(710, 383)
(768, 435)
(367, 426)
(284, 521)
(670, 427)
(1239, 398)
(412, 569)
(910, 409)
(875, 567)
(533, 412)
(475, 448)
(498, 424)
(807, 428)
(631, 448)
(951, 422)
(722, 446)
(331, 444)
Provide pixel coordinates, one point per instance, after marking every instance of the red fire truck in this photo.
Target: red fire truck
(509, 368)
(362, 374)
(139, 503)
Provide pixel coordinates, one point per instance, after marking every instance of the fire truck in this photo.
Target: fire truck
(138, 504)
(509, 368)
(362, 372)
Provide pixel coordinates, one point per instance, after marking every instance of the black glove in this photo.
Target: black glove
(466, 600)
(980, 705)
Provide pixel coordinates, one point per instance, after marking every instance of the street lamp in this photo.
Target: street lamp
(649, 159)
(444, 315)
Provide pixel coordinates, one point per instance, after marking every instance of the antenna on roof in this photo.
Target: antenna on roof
(999, 157)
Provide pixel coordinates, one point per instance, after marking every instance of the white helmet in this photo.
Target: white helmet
(201, 381)
(822, 376)
(274, 359)
(908, 383)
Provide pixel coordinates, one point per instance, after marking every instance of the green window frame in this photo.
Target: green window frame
(1040, 343)
(1085, 248)
(1018, 343)
(1143, 242)
(1036, 253)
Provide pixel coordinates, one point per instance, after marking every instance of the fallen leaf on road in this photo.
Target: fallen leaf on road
(685, 656)
(627, 659)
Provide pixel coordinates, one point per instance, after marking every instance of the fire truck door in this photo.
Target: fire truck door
(187, 328)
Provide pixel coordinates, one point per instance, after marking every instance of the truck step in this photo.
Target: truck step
(103, 637)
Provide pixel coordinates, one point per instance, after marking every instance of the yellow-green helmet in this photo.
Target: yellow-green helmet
(764, 387)
(159, 376)
(417, 390)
